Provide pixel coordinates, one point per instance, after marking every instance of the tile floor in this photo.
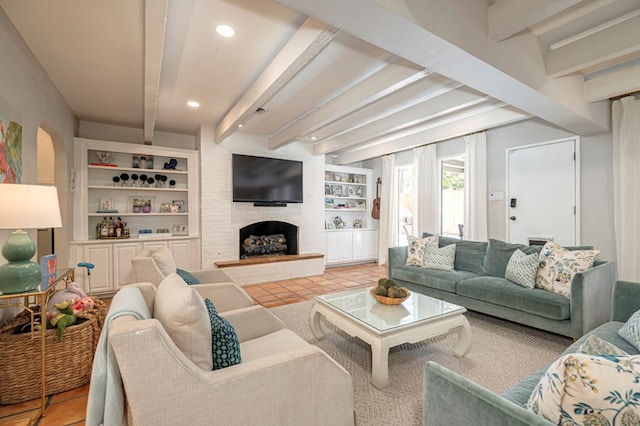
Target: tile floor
(68, 408)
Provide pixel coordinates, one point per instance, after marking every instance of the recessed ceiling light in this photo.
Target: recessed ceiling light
(225, 31)
(313, 138)
(239, 126)
(193, 104)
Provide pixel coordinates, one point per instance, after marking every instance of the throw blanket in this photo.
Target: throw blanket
(106, 396)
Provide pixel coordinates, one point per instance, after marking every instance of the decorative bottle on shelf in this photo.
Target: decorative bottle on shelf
(104, 228)
(112, 228)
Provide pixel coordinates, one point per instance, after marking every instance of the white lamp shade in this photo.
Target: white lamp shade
(29, 207)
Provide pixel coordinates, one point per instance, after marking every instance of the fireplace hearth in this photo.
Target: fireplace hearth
(269, 238)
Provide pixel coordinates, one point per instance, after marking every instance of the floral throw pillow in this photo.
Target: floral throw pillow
(522, 269)
(558, 266)
(415, 249)
(442, 258)
(591, 390)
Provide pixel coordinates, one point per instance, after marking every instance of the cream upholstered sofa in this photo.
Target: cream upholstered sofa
(282, 380)
(153, 266)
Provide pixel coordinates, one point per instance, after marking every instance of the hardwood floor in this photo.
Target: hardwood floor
(69, 408)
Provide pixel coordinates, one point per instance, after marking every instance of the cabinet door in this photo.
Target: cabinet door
(122, 270)
(339, 246)
(181, 251)
(101, 279)
(154, 245)
(364, 242)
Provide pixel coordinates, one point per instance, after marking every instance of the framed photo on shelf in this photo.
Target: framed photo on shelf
(180, 229)
(142, 161)
(337, 190)
(106, 205)
(181, 205)
(351, 191)
(327, 190)
(49, 267)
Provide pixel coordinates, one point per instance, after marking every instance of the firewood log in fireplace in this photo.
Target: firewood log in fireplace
(256, 245)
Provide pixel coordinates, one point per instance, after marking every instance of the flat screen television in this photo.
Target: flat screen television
(266, 181)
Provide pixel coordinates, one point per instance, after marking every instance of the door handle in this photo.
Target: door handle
(513, 218)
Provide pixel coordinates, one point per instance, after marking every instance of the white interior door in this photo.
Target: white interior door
(543, 192)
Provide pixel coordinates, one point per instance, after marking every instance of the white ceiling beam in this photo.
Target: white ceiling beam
(390, 79)
(427, 33)
(302, 47)
(155, 24)
(450, 130)
(429, 110)
(613, 84)
(604, 47)
(509, 17)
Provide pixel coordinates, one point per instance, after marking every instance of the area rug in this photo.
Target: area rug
(502, 353)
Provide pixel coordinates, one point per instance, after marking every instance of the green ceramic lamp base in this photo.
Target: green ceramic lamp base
(20, 275)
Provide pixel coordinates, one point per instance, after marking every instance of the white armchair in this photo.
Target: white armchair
(282, 379)
(154, 266)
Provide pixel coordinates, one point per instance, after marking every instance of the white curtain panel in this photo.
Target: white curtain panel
(388, 208)
(626, 186)
(475, 187)
(425, 190)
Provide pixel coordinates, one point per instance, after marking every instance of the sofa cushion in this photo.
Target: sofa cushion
(440, 258)
(558, 266)
(588, 389)
(183, 314)
(164, 260)
(499, 291)
(278, 342)
(441, 280)
(522, 269)
(499, 253)
(225, 347)
(469, 254)
(416, 247)
(630, 331)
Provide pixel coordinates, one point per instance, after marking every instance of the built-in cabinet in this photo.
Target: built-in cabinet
(350, 232)
(151, 192)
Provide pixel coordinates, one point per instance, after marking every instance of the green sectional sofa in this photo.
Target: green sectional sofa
(450, 399)
(477, 283)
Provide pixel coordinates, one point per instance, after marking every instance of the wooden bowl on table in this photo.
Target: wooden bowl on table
(390, 300)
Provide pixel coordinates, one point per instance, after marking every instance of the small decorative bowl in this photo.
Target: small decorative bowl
(390, 300)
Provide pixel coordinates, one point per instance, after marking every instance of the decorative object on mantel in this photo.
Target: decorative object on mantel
(30, 207)
(357, 224)
(142, 161)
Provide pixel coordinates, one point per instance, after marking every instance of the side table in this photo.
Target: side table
(29, 301)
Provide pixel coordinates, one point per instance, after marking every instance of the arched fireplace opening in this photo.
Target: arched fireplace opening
(269, 238)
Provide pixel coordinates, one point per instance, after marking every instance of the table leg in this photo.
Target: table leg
(314, 323)
(464, 338)
(379, 365)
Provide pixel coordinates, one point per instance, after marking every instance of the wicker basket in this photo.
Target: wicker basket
(68, 363)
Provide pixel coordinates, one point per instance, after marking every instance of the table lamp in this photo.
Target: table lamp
(25, 207)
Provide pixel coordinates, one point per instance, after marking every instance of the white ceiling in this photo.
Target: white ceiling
(356, 79)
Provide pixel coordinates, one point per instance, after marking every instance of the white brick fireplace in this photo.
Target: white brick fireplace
(222, 218)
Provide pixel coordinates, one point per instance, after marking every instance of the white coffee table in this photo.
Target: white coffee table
(420, 317)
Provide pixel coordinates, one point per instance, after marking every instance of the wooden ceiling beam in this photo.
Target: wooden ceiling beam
(430, 110)
(509, 17)
(390, 79)
(607, 47)
(614, 84)
(447, 130)
(155, 24)
(304, 45)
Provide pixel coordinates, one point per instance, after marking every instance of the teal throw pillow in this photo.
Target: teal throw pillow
(522, 269)
(630, 331)
(187, 277)
(225, 346)
(499, 253)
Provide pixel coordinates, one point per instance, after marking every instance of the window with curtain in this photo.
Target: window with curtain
(452, 185)
(405, 203)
